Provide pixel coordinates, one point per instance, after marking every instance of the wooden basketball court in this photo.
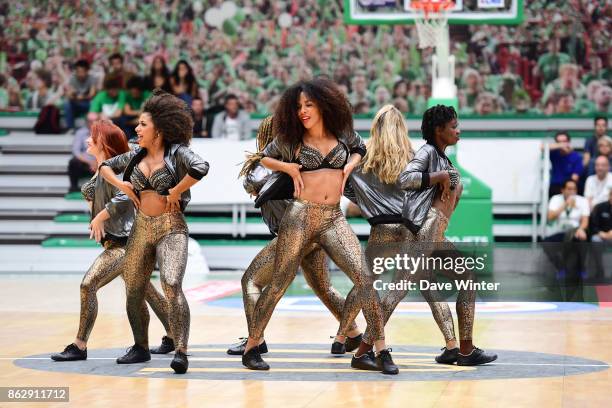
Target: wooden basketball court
(551, 357)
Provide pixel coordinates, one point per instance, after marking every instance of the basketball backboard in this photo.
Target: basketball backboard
(465, 12)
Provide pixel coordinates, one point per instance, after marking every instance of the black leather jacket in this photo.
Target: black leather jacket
(179, 159)
(415, 180)
(272, 211)
(279, 186)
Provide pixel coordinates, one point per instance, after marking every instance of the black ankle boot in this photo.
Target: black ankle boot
(167, 345)
(253, 361)
(366, 361)
(135, 354)
(476, 357)
(385, 362)
(180, 363)
(238, 348)
(71, 353)
(447, 356)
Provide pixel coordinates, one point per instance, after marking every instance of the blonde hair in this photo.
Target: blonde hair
(265, 135)
(389, 149)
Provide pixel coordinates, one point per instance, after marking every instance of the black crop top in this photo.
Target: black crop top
(311, 158)
(159, 181)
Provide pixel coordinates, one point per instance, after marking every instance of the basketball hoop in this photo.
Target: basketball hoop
(431, 21)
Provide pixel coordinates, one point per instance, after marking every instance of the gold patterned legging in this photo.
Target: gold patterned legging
(430, 233)
(304, 224)
(314, 265)
(102, 271)
(163, 238)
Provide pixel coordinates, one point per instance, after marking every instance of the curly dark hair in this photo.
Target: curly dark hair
(171, 117)
(329, 99)
(435, 117)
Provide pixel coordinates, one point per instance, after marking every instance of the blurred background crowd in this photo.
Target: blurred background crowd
(105, 55)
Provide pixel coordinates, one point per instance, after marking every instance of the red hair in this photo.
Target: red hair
(109, 137)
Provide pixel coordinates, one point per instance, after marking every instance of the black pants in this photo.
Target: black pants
(568, 256)
(76, 170)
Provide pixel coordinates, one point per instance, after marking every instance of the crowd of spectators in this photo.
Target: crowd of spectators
(57, 52)
(579, 209)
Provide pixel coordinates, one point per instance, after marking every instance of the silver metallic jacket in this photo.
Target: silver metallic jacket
(179, 159)
(119, 206)
(379, 202)
(415, 180)
(272, 211)
(279, 186)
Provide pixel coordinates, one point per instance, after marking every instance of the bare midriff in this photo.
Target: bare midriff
(322, 186)
(152, 204)
(447, 206)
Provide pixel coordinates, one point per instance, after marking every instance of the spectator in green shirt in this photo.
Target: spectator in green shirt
(549, 63)
(131, 107)
(108, 103)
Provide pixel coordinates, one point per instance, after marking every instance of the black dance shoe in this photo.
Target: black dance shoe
(447, 356)
(476, 357)
(338, 348)
(180, 363)
(385, 362)
(366, 361)
(253, 361)
(167, 345)
(71, 353)
(352, 343)
(135, 354)
(238, 348)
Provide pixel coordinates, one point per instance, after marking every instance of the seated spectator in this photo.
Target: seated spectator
(199, 118)
(487, 104)
(233, 123)
(381, 96)
(603, 97)
(568, 217)
(80, 90)
(598, 186)
(548, 64)
(183, 82)
(567, 83)
(135, 98)
(117, 69)
(601, 234)
(360, 92)
(44, 94)
(82, 164)
(159, 76)
(565, 163)
(471, 88)
(591, 143)
(108, 103)
(604, 148)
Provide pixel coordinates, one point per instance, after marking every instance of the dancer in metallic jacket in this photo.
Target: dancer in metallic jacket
(157, 177)
(314, 152)
(112, 215)
(259, 273)
(431, 183)
(374, 187)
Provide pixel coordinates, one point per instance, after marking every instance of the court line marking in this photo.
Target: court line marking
(152, 370)
(307, 360)
(315, 351)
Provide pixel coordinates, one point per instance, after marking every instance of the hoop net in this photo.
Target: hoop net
(431, 21)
